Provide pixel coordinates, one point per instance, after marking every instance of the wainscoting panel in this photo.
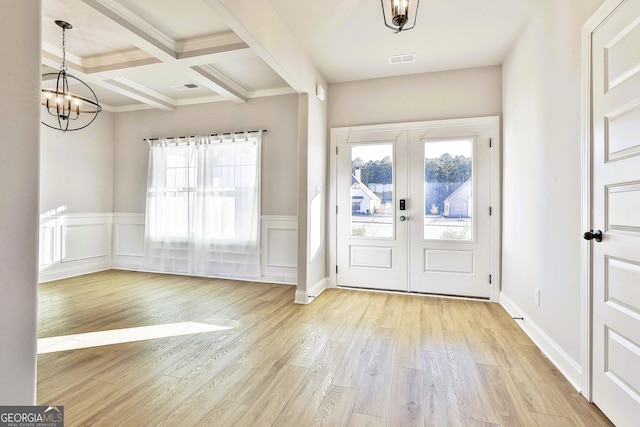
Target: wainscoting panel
(74, 244)
(85, 241)
(128, 241)
(279, 248)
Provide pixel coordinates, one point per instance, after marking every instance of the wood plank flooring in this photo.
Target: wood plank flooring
(348, 359)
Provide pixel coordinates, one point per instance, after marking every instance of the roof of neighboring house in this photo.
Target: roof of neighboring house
(458, 190)
(364, 188)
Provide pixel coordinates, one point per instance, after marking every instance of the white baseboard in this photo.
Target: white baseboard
(73, 271)
(565, 364)
(306, 297)
(129, 266)
(283, 278)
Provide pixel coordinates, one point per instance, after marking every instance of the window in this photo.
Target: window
(203, 202)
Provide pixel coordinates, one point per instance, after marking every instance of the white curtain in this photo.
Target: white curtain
(203, 206)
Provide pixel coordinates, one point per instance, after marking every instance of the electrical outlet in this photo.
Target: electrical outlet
(536, 296)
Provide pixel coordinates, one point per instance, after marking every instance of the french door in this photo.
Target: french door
(372, 228)
(413, 207)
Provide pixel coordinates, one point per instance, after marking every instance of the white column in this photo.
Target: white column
(19, 164)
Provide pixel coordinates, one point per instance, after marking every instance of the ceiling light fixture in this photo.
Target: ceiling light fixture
(401, 12)
(70, 104)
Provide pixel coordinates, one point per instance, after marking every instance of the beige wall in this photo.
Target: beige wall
(472, 92)
(541, 173)
(312, 120)
(20, 118)
(278, 114)
(76, 168)
(317, 183)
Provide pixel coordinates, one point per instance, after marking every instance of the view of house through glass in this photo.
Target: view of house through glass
(372, 190)
(448, 190)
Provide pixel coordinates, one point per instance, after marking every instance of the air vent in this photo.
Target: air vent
(401, 59)
(185, 86)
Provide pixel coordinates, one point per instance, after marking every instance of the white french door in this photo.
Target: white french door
(615, 211)
(372, 234)
(413, 207)
(450, 244)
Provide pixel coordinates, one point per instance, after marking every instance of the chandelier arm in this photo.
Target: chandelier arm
(83, 99)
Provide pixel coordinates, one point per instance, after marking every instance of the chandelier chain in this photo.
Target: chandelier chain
(63, 67)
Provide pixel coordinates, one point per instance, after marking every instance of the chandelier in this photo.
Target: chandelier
(69, 103)
(399, 13)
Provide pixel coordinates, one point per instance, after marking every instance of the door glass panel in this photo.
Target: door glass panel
(372, 190)
(448, 190)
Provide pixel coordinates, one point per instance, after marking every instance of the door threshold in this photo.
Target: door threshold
(413, 293)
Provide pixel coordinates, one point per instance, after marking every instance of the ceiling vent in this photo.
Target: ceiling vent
(185, 86)
(401, 59)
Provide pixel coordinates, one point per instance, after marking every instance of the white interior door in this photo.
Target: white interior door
(413, 207)
(616, 212)
(371, 235)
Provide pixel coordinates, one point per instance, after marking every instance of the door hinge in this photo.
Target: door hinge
(490, 145)
(336, 149)
(336, 209)
(490, 211)
(490, 279)
(336, 269)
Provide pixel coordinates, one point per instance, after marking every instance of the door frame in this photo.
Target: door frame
(496, 186)
(586, 268)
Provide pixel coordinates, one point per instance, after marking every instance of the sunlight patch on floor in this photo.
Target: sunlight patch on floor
(119, 336)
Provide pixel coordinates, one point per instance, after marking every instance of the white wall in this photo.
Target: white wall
(76, 199)
(472, 92)
(541, 178)
(312, 176)
(278, 114)
(76, 168)
(20, 117)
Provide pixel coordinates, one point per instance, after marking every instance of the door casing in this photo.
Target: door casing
(496, 170)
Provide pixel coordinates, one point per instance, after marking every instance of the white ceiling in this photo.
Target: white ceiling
(136, 53)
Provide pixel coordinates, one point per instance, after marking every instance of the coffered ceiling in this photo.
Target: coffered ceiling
(162, 54)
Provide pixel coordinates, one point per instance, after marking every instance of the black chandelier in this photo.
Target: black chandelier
(70, 104)
(400, 15)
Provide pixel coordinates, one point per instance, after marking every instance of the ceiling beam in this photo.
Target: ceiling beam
(118, 61)
(144, 35)
(207, 45)
(139, 93)
(203, 50)
(260, 26)
(155, 43)
(121, 86)
(209, 77)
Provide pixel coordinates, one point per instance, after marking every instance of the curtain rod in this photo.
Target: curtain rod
(193, 136)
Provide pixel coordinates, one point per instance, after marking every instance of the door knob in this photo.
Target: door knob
(593, 235)
(403, 218)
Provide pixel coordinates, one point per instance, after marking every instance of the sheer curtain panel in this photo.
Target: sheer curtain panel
(203, 205)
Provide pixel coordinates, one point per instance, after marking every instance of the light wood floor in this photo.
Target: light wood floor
(348, 359)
